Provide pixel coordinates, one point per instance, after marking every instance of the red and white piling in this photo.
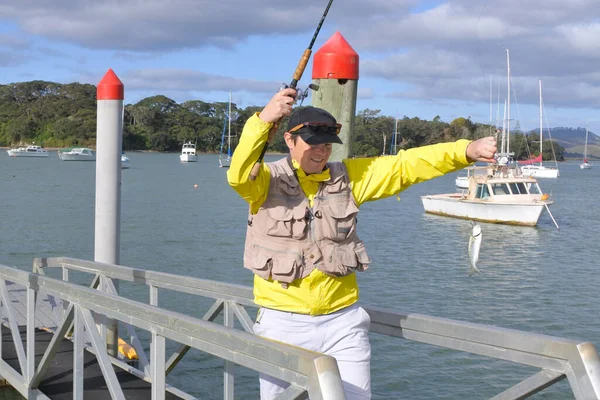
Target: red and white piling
(109, 138)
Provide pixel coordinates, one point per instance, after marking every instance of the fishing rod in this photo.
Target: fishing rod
(300, 94)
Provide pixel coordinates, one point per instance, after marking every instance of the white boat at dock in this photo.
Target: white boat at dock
(188, 153)
(29, 151)
(77, 154)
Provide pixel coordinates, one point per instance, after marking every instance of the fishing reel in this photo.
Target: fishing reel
(300, 94)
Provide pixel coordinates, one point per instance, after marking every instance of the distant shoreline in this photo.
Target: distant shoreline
(269, 153)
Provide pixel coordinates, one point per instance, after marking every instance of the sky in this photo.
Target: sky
(418, 58)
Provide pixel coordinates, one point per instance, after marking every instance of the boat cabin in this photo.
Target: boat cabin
(188, 148)
(501, 185)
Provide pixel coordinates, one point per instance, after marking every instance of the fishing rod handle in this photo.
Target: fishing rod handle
(301, 67)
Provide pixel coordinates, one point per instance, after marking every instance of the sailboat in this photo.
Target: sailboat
(585, 164)
(225, 160)
(539, 171)
(496, 193)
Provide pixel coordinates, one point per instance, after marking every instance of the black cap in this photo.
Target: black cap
(315, 115)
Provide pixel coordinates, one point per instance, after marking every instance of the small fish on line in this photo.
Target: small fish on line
(474, 247)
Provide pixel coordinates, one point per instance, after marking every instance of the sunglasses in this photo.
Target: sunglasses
(318, 127)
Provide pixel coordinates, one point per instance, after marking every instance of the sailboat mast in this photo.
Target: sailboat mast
(503, 144)
(541, 128)
(508, 102)
(396, 137)
(498, 106)
(585, 147)
(229, 126)
(491, 105)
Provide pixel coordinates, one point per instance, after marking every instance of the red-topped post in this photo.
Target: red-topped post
(109, 137)
(335, 70)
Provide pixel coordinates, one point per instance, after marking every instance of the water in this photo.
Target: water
(540, 279)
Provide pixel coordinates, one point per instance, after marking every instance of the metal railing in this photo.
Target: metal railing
(308, 372)
(557, 358)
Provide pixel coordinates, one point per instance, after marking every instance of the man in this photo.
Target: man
(302, 243)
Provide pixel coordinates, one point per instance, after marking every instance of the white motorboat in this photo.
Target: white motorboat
(125, 162)
(77, 154)
(29, 151)
(188, 153)
(494, 195)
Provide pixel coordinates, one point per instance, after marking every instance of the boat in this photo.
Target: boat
(539, 171)
(585, 164)
(29, 151)
(462, 182)
(496, 193)
(188, 152)
(125, 162)
(225, 159)
(77, 154)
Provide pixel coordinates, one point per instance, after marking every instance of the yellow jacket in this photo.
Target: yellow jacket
(370, 178)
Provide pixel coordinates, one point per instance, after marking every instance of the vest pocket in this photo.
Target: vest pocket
(279, 265)
(339, 220)
(261, 263)
(286, 267)
(341, 260)
(286, 222)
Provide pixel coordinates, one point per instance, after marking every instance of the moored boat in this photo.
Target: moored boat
(495, 194)
(586, 164)
(188, 153)
(77, 154)
(528, 168)
(125, 162)
(29, 151)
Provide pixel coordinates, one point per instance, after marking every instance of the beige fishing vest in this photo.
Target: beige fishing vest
(286, 239)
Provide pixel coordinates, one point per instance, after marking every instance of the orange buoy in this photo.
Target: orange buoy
(196, 186)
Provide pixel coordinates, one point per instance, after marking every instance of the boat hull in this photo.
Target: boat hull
(540, 172)
(188, 158)
(25, 154)
(76, 157)
(585, 166)
(455, 205)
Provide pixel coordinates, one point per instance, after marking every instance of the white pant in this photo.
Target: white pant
(342, 335)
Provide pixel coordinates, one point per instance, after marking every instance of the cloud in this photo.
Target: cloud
(190, 80)
(12, 41)
(10, 59)
(442, 52)
(364, 93)
(177, 24)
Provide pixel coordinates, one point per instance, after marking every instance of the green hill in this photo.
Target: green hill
(573, 140)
